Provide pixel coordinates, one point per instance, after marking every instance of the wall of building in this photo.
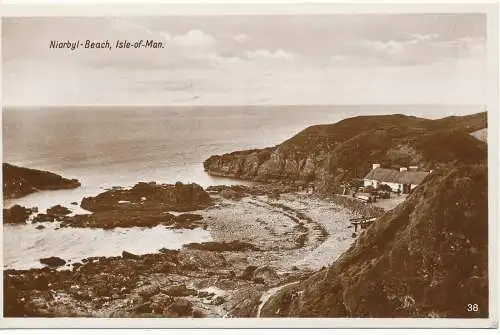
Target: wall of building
(370, 182)
(394, 186)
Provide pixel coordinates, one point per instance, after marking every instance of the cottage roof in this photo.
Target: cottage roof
(395, 176)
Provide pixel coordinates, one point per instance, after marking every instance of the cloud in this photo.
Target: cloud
(413, 50)
(194, 38)
(241, 38)
(426, 37)
(264, 54)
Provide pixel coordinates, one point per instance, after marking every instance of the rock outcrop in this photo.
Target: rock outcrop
(428, 257)
(20, 181)
(329, 154)
(144, 205)
(179, 197)
(17, 214)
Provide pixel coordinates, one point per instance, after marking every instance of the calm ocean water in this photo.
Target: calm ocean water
(119, 146)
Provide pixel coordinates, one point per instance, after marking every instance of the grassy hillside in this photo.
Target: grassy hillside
(428, 257)
(328, 154)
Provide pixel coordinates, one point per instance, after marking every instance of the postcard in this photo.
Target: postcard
(265, 165)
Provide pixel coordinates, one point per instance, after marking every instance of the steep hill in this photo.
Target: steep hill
(20, 181)
(327, 154)
(428, 257)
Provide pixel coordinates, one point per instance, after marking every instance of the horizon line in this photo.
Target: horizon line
(480, 105)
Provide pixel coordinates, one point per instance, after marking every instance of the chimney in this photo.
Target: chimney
(413, 168)
(374, 166)
(402, 169)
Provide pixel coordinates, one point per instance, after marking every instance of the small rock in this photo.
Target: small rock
(39, 227)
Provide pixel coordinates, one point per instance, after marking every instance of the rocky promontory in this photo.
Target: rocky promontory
(326, 155)
(20, 181)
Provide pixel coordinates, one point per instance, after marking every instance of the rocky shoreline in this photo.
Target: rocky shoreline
(274, 245)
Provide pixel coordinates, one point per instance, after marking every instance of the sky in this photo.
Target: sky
(248, 60)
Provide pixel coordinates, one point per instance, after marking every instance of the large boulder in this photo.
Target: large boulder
(17, 214)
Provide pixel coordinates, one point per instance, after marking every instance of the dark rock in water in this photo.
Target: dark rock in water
(222, 246)
(179, 197)
(40, 227)
(144, 205)
(19, 181)
(42, 217)
(58, 210)
(129, 255)
(55, 213)
(74, 203)
(53, 261)
(17, 214)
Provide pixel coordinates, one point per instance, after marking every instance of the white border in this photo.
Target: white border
(82, 8)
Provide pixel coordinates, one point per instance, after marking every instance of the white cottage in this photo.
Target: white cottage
(402, 180)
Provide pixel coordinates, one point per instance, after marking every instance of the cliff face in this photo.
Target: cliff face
(428, 257)
(327, 154)
(19, 181)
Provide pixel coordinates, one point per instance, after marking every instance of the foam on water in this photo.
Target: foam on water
(24, 245)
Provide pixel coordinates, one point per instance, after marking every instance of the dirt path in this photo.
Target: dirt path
(269, 293)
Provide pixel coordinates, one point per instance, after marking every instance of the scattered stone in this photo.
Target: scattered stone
(179, 290)
(39, 227)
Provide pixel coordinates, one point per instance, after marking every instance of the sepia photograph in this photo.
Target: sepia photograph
(248, 166)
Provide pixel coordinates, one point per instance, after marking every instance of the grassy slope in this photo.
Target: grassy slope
(427, 257)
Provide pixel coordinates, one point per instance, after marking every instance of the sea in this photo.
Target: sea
(110, 146)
